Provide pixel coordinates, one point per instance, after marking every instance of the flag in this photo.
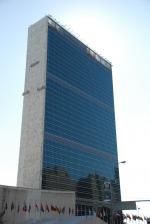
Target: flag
(63, 210)
(29, 208)
(101, 214)
(134, 217)
(128, 216)
(6, 206)
(24, 207)
(36, 206)
(53, 208)
(98, 214)
(90, 212)
(41, 208)
(12, 206)
(117, 214)
(124, 216)
(69, 211)
(104, 213)
(18, 209)
(140, 218)
(58, 210)
(47, 208)
(2, 214)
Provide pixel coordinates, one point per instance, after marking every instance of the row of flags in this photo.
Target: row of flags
(37, 207)
(122, 216)
(135, 217)
(132, 217)
(40, 207)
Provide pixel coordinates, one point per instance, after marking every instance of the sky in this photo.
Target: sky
(116, 29)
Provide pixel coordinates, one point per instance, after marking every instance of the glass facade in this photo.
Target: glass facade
(80, 150)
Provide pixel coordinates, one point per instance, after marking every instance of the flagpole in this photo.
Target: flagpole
(15, 210)
(138, 215)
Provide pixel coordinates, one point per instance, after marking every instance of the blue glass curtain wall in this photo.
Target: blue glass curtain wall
(80, 149)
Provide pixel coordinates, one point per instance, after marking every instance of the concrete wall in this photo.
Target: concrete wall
(31, 145)
(19, 197)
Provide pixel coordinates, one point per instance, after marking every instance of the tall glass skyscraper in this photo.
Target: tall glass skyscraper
(68, 139)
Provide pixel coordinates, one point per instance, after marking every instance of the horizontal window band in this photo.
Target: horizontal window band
(95, 139)
(78, 91)
(52, 109)
(84, 82)
(60, 118)
(73, 176)
(79, 189)
(77, 167)
(54, 178)
(76, 173)
(53, 151)
(75, 163)
(82, 147)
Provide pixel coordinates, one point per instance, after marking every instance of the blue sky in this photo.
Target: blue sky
(120, 31)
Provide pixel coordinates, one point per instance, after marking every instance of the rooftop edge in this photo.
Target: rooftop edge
(52, 22)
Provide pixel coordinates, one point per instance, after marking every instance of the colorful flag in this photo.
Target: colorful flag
(41, 208)
(29, 208)
(128, 216)
(53, 208)
(69, 210)
(117, 214)
(24, 207)
(36, 206)
(134, 217)
(12, 206)
(18, 209)
(140, 218)
(63, 210)
(47, 208)
(2, 213)
(6, 206)
(124, 216)
(58, 210)
(90, 211)
(98, 214)
(104, 213)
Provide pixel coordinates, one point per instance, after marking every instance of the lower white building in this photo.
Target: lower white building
(20, 205)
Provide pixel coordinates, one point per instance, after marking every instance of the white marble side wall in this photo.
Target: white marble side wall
(31, 145)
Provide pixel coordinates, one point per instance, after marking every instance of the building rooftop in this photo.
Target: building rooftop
(53, 23)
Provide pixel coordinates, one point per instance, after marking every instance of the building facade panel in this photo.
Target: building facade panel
(80, 149)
